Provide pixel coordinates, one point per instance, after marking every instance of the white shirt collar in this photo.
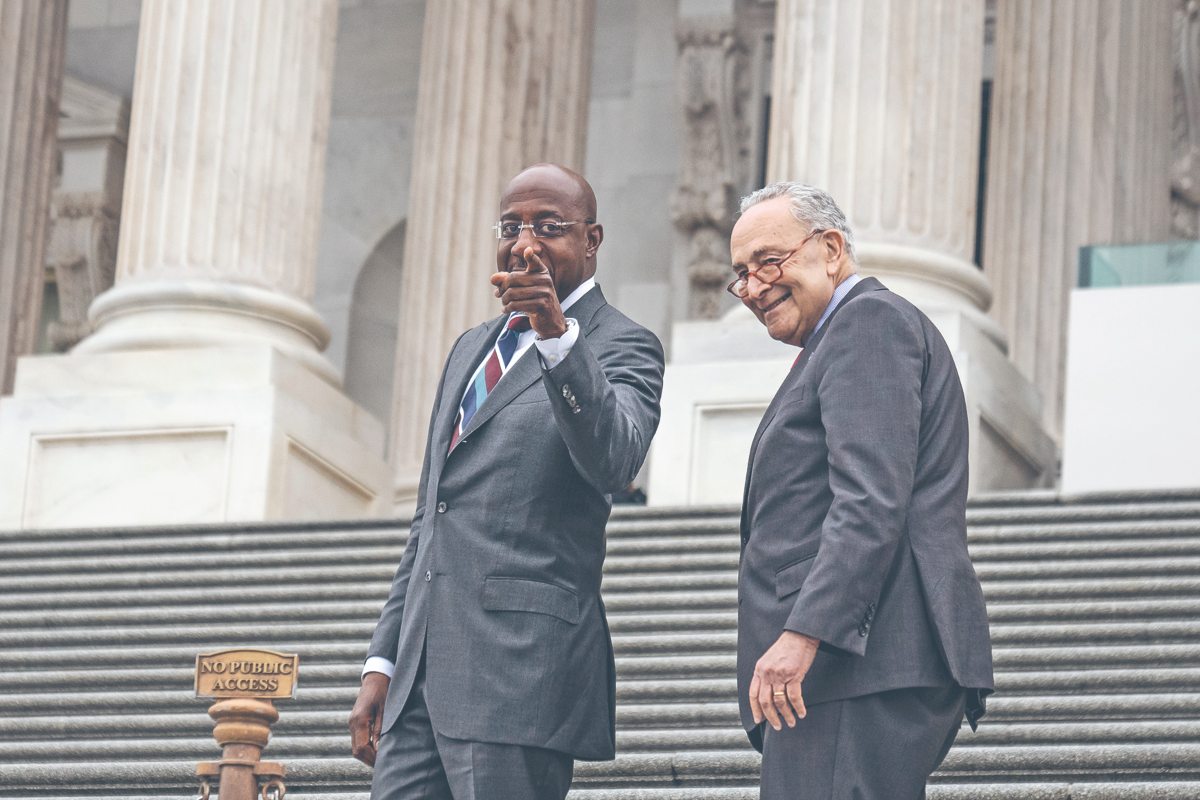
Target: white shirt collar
(579, 292)
(839, 294)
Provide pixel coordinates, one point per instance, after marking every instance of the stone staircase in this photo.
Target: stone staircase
(1095, 608)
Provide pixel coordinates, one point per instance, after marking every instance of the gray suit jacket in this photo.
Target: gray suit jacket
(500, 582)
(854, 512)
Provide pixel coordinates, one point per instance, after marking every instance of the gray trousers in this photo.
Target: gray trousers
(876, 747)
(415, 762)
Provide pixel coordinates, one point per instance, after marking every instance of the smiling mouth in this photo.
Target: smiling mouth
(775, 304)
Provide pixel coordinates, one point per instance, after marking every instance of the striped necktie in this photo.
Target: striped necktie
(489, 374)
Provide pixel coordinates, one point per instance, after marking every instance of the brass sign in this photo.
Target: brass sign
(248, 672)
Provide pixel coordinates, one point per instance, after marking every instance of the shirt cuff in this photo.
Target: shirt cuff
(554, 351)
(379, 664)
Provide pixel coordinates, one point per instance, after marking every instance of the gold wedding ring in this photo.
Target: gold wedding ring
(779, 694)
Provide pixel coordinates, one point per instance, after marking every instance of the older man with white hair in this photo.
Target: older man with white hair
(862, 634)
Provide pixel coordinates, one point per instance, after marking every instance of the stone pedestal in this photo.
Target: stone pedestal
(1081, 118)
(877, 102)
(504, 84)
(165, 437)
(32, 37)
(203, 394)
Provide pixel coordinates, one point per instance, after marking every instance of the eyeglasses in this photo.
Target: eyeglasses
(769, 270)
(542, 229)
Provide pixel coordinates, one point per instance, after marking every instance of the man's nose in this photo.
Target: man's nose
(755, 286)
(526, 239)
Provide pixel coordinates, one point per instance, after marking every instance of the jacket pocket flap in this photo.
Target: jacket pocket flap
(789, 579)
(539, 597)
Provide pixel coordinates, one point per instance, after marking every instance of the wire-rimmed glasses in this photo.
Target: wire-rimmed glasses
(768, 271)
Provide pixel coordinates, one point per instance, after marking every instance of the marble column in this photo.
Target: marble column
(223, 188)
(203, 395)
(878, 103)
(503, 84)
(1080, 154)
(32, 39)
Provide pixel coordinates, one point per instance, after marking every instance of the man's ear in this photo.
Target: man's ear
(595, 236)
(834, 244)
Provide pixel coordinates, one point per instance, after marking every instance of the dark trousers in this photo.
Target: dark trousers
(415, 762)
(876, 747)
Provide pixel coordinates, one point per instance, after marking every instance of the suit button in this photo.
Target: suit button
(441, 507)
(428, 576)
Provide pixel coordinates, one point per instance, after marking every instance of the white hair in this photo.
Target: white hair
(810, 206)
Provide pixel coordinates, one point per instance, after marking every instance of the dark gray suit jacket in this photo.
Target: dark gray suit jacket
(854, 513)
(500, 582)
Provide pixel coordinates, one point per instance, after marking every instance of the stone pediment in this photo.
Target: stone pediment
(87, 111)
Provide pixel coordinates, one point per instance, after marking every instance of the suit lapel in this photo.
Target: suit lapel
(520, 375)
(524, 372)
(460, 370)
(789, 383)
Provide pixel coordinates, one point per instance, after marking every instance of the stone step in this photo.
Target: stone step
(1135, 762)
(1186, 790)
(627, 639)
(651, 572)
(692, 688)
(621, 593)
(645, 554)
(189, 736)
(1093, 602)
(979, 791)
(637, 555)
(351, 655)
(1011, 517)
(723, 711)
(644, 616)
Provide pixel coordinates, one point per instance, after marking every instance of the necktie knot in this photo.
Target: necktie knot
(519, 323)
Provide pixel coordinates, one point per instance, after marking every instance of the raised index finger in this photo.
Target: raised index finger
(533, 262)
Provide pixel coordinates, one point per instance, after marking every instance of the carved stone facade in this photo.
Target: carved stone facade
(85, 211)
(1185, 169)
(82, 253)
(715, 153)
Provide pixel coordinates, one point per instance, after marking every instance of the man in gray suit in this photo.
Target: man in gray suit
(491, 666)
(862, 633)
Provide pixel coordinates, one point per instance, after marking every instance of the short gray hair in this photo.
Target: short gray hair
(810, 206)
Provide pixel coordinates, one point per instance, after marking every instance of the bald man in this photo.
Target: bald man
(491, 667)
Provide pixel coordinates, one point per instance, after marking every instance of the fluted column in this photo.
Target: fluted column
(503, 84)
(1081, 126)
(878, 102)
(32, 34)
(223, 188)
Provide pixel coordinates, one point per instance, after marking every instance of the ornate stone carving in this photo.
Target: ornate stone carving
(715, 154)
(1185, 170)
(82, 253)
(85, 211)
